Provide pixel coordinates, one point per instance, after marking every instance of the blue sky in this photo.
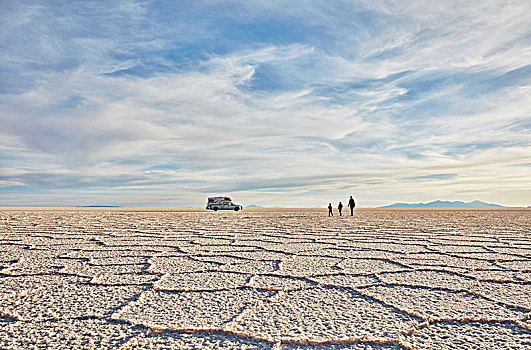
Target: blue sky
(163, 103)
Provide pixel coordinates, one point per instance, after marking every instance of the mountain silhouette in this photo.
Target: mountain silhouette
(446, 204)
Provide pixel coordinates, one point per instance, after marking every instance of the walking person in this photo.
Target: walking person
(330, 210)
(340, 208)
(351, 205)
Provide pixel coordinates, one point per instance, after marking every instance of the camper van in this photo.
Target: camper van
(222, 203)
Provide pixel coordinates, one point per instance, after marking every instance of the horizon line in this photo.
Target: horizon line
(118, 208)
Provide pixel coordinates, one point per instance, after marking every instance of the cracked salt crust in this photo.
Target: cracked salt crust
(208, 310)
(302, 266)
(397, 248)
(496, 275)
(252, 267)
(70, 301)
(199, 340)
(518, 294)
(175, 265)
(259, 255)
(208, 249)
(525, 276)
(342, 280)
(43, 253)
(300, 248)
(459, 249)
(436, 279)
(488, 256)
(137, 243)
(22, 285)
(443, 304)
(525, 324)
(524, 265)
(291, 256)
(354, 346)
(271, 282)
(11, 253)
(120, 260)
(197, 281)
(435, 259)
(125, 279)
(106, 253)
(89, 270)
(67, 334)
(206, 241)
(34, 267)
(129, 250)
(359, 254)
(470, 335)
(369, 266)
(324, 313)
(221, 259)
(523, 252)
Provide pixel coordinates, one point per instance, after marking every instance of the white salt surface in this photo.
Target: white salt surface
(199, 281)
(323, 314)
(90, 333)
(284, 279)
(199, 340)
(470, 335)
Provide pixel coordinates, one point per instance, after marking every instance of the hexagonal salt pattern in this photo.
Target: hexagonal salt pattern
(361, 345)
(431, 303)
(271, 282)
(70, 301)
(471, 335)
(264, 279)
(199, 340)
(435, 279)
(85, 333)
(512, 293)
(198, 281)
(202, 310)
(323, 314)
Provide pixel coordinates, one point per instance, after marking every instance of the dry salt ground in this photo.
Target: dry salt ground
(263, 279)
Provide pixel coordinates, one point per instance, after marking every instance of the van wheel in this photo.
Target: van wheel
(215, 208)
(237, 208)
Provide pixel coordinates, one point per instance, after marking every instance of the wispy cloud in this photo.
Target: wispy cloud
(164, 103)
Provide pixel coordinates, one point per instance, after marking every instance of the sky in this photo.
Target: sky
(275, 103)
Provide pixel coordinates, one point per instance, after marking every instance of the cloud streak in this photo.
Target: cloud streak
(128, 103)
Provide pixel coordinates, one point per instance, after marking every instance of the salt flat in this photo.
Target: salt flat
(265, 279)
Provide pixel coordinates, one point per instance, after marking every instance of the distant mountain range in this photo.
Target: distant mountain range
(447, 205)
(434, 205)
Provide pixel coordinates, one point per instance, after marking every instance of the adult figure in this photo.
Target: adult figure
(351, 205)
(330, 210)
(340, 208)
